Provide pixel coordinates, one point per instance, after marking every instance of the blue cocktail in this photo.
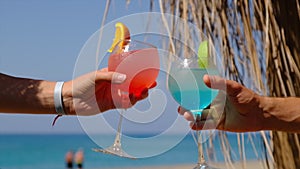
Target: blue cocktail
(188, 89)
(185, 83)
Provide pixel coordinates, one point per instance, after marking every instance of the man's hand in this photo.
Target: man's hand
(235, 109)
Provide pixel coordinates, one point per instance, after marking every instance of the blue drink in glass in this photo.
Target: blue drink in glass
(188, 89)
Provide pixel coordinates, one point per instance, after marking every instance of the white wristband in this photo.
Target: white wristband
(59, 108)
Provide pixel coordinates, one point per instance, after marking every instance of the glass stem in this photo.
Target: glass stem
(118, 135)
(125, 101)
(201, 159)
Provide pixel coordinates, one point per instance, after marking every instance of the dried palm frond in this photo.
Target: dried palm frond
(259, 42)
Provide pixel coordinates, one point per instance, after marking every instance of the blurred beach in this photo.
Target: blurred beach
(48, 152)
(237, 165)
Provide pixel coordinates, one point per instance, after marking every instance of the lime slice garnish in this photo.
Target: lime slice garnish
(203, 55)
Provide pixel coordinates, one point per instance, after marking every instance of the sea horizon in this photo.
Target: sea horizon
(24, 151)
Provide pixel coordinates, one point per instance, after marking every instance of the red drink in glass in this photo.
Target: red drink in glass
(140, 66)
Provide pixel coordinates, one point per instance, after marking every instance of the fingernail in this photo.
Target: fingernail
(119, 78)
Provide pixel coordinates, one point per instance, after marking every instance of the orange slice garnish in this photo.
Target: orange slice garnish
(121, 33)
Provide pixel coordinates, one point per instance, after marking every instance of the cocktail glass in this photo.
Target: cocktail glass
(140, 62)
(185, 83)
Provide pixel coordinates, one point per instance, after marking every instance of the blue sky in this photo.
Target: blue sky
(42, 40)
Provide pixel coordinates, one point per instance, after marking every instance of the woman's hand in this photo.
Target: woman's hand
(92, 93)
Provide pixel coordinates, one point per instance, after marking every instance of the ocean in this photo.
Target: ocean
(36, 151)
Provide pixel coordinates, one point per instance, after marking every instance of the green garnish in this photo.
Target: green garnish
(203, 55)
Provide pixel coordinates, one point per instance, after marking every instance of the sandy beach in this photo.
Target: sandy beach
(236, 165)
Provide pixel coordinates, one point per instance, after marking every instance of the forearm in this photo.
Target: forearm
(21, 95)
(281, 113)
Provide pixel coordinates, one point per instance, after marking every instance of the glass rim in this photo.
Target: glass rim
(137, 41)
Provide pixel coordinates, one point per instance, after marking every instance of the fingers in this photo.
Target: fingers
(203, 125)
(118, 78)
(104, 69)
(144, 94)
(217, 82)
(190, 117)
(135, 98)
(204, 121)
(114, 77)
(214, 82)
(185, 113)
(181, 110)
(153, 85)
